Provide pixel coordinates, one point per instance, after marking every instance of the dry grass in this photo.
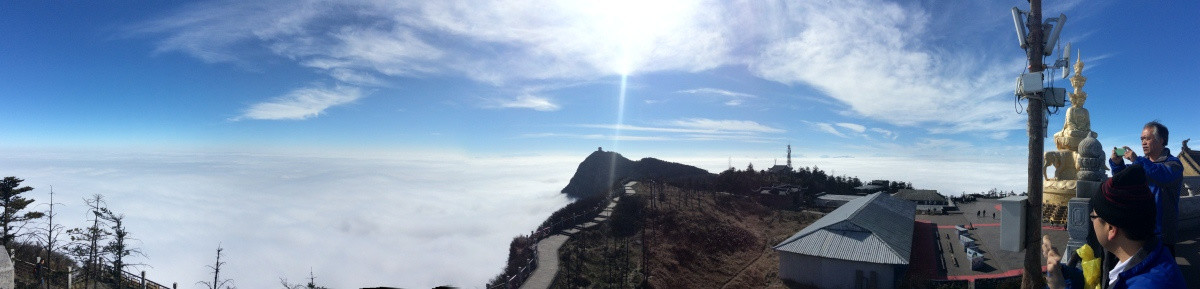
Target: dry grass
(693, 240)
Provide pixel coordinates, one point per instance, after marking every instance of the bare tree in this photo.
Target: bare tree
(85, 242)
(312, 283)
(50, 234)
(216, 270)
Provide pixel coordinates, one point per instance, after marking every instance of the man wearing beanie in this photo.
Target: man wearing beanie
(1165, 175)
(1123, 216)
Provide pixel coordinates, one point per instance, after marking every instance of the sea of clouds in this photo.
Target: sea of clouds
(414, 220)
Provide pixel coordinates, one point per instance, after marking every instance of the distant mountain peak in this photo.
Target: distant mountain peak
(601, 169)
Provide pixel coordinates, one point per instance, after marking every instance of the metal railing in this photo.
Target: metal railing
(129, 280)
(516, 280)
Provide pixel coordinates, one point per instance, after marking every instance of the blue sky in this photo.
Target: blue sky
(918, 91)
(856, 79)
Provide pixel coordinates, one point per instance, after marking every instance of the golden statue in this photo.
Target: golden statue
(1078, 124)
(1079, 161)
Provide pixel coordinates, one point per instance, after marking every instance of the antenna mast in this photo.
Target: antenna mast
(789, 155)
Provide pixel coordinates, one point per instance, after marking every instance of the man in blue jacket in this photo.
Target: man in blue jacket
(1165, 174)
(1122, 217)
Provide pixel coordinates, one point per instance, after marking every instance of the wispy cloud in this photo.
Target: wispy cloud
(732, 98)
(825, 127)
(689, 129)
(872, 56)
(697, 125)
(708, 90)
(301, 103)
(526, 101)
(610, 137)
(885, 133)
(484, 40)
(725, 125)
(858, 128)
(848, 130)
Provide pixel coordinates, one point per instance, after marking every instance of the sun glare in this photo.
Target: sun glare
(634, 28)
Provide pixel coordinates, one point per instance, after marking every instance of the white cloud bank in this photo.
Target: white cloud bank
(873, 56)
(417, 220)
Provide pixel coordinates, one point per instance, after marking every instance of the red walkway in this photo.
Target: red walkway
(1009, 273)
(924, 253)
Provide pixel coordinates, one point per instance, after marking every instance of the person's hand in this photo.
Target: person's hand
(1054, 278)
(1130, 155)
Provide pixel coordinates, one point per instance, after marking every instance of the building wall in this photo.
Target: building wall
(828, 273)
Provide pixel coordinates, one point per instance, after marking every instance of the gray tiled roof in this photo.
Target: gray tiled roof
(877, 228)
(920, 195)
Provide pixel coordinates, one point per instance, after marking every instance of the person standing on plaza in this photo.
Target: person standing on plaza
(1164, 173)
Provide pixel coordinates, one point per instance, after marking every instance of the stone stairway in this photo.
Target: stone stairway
(547, 268)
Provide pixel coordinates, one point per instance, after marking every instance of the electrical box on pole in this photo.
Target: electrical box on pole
(1055, 96)
(1029, 84)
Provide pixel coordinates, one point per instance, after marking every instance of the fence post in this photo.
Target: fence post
(143, 279)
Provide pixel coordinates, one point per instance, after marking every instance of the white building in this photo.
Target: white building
(863, 244)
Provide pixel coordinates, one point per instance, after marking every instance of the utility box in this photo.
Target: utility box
(1012, 223)
(1055, 97)
(1029, 84)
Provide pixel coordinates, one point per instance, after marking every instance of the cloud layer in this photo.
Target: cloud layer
(357, 220)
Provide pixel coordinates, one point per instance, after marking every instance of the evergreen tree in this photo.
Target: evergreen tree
(118, 247)
(11, 219)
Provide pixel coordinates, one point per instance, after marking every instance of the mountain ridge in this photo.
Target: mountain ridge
(597, 173)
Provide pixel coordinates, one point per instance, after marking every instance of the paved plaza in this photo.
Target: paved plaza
(1000, 263)
(951, 258)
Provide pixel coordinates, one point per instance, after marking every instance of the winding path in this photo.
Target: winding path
(547, 268)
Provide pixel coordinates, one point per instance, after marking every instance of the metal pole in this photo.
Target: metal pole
(1032, 275)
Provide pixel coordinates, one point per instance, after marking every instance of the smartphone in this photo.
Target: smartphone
(1120, 151)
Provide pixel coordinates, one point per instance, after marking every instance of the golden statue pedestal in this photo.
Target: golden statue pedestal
(1056, 194)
